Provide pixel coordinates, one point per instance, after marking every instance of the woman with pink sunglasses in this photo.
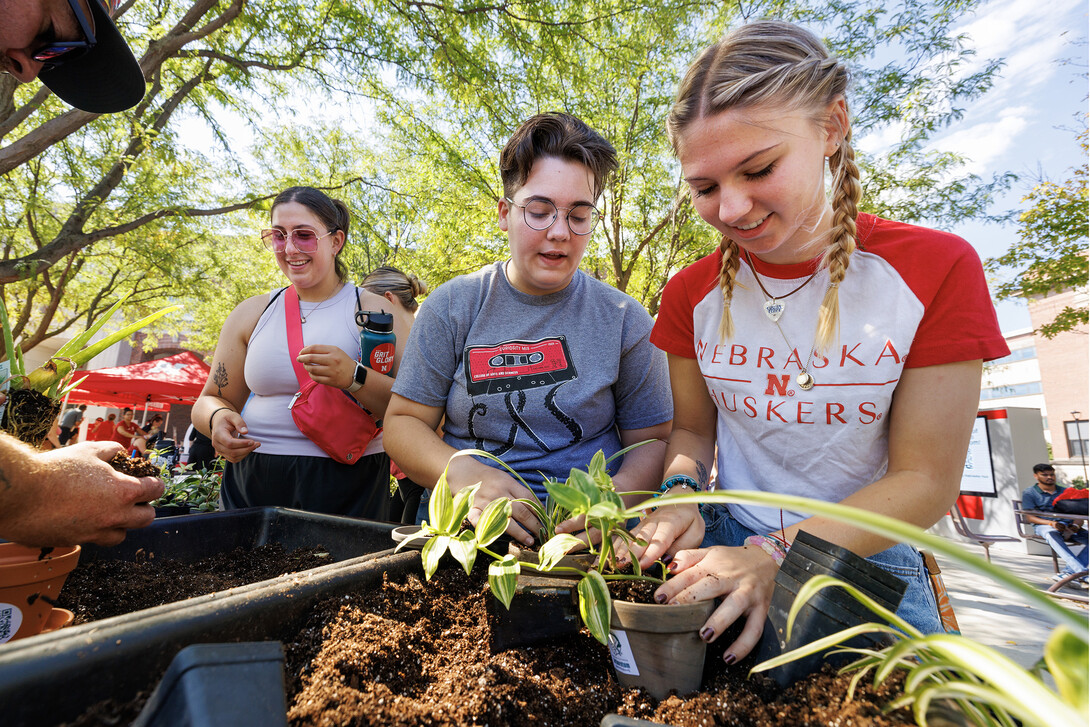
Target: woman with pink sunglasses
(244, 407)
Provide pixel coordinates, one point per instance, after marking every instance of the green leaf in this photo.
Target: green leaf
(597, 465)
(462, 502)
(595, 605)
(569, 498)
(584, 483)
(503, 577)
(607, 511)
(493, 521)
(1068, 662)
(432, 552)
(464, 549)
(557, 547)
(441, 506)
(9, 343)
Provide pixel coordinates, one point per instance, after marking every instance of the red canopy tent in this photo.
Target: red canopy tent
(176, 379)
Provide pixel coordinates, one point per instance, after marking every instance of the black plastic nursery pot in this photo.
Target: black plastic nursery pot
(830, 611)
(53, 678)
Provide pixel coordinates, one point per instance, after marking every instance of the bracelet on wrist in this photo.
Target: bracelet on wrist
(775, 549)
(678, 481)
(212, 417)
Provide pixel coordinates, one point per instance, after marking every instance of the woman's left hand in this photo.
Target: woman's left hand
(743, 577)
(328, 365)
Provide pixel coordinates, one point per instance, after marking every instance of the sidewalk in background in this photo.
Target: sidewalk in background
(993, 616)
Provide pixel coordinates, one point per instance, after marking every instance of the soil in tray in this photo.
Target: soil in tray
(104, 588)
(416, 653)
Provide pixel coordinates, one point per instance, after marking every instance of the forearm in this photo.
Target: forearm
(16, 461)
(203, 410)
(417, 449)
(690, 453)
(641, 471)
(374, 395)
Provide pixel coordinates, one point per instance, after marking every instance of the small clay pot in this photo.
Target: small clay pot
(659, 647)
(29, 582)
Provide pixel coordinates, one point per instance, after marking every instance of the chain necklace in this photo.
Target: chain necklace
(321, 304)
(774, 307)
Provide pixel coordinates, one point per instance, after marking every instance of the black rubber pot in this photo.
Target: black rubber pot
(830, 611)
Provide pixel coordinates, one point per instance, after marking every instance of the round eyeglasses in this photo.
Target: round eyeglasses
(540, 214)
(303, 238)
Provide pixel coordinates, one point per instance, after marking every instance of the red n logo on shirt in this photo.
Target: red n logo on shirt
(777, 384)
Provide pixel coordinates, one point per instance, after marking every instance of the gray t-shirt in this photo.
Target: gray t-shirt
(542, 382)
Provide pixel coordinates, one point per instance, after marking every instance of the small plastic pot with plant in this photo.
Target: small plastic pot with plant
(34, 398)
(653, 646)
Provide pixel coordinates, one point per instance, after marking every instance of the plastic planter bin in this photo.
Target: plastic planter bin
(830, 611)
(53, 678)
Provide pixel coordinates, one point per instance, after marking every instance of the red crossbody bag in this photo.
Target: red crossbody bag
(327, 416)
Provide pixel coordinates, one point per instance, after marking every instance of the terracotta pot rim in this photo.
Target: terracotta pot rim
(21, 564)
(661, 618)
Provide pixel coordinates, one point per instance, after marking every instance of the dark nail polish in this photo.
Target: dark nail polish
(667, 558)
(729, 659)
(672, 567)
(707, 635)
(660, 598)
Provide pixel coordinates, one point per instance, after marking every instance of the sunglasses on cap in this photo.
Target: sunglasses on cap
(303, 238)
(55, 54)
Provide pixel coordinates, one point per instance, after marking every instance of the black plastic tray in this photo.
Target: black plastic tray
(192, 537)
(55, 677)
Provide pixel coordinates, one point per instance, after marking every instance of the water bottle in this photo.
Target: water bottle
(377, 341)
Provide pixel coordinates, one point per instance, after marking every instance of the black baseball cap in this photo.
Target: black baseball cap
(106, 78)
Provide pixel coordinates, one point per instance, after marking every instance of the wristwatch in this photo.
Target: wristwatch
(358, 378)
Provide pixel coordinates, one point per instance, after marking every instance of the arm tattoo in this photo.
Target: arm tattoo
(220, 379)
(701, 475)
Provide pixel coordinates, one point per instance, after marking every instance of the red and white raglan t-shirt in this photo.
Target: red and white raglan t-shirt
(912, 297)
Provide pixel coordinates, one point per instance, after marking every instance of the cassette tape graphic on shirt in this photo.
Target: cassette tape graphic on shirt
(517, 365)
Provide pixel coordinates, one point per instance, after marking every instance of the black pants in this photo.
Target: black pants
(315, 484)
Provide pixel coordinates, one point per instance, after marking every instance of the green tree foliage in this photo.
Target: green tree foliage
(1050, 256)
(92, 207)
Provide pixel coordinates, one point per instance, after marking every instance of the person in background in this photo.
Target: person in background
(104, 432)
(1056, 531)
(789, 345)
(530, 358)
(307, 234)
(127, 432)
(70, 422)
(71, 495)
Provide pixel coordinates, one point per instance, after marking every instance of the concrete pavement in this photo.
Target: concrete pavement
(993, 616)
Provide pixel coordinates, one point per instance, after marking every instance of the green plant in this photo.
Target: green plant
(586, 493)
(51, 377)
(987, 686)
(199, 489)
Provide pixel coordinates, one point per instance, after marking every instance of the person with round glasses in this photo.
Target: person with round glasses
(244, 407)
(75, 49)
(530, 358)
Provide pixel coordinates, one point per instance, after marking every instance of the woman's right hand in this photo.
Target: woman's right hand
(464, 472)
(666, 531)
(743, 577)
(228, 430)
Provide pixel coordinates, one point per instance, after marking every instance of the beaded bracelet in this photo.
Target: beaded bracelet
(678, 481)
(773, 547)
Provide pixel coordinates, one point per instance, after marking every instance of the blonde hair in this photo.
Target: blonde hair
(388, 279)
(776, 64)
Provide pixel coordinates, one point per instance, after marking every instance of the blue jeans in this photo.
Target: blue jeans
(1073, 563)
(918, 606)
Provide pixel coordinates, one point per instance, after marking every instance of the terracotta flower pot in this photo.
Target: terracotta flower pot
(658, 647)
(29, 582)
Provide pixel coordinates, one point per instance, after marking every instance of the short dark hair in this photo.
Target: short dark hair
(1043, 467)
(557, 135)
(332, 212)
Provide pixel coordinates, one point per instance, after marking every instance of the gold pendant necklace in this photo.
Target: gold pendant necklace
(321, 303)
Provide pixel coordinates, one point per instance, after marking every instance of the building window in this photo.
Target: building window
(1077, 434)
(1002, 392)
(1018, 354)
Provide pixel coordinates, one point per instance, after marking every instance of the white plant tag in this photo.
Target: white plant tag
(623, 660)
(11, 618)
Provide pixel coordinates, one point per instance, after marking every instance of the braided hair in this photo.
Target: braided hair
(776, 64)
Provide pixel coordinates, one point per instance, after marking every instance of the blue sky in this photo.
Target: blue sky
(1027, 123)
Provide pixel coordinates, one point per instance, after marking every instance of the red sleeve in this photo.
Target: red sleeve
(673, 331)
(945, 274)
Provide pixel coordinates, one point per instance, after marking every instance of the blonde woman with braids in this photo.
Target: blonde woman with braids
(819, 351)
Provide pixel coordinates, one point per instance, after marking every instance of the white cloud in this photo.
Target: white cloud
(988, 143)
